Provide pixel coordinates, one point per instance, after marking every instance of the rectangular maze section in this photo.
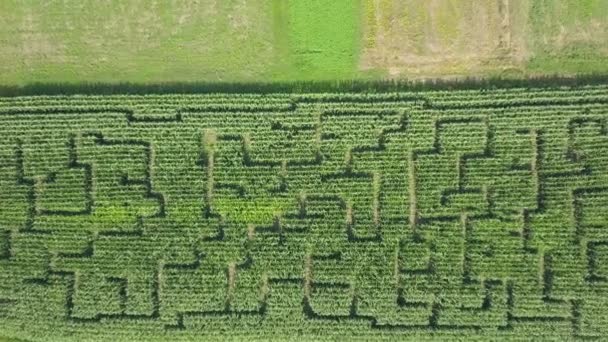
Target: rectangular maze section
(454, 214)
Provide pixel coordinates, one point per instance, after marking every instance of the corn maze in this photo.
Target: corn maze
(464, 214)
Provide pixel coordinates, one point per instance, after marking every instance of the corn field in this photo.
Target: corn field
(455, 214)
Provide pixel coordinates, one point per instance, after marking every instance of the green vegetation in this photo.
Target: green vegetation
(469, 214)
(143, 41)
(303, 170)
(569, 36)
(323, 37)
(467, 37)
(139, 41)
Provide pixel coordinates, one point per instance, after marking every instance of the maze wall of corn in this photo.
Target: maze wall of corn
(463, 214)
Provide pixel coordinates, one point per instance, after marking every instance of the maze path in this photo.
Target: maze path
(462, 213)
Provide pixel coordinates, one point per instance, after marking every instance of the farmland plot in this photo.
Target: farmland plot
(473, 214)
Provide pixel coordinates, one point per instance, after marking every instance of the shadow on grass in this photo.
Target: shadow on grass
(301, 87)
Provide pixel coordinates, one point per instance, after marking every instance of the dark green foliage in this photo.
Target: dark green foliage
(354, 85)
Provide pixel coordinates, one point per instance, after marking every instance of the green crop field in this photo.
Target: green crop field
(276, 40)
(463, 214)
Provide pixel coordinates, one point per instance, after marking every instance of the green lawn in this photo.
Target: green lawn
(323, 39)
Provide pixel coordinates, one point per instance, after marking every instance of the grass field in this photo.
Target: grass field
(469, 37)
(476, 215)
(272, 40)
